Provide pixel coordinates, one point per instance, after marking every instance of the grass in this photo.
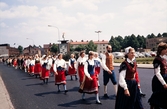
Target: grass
(146, 60)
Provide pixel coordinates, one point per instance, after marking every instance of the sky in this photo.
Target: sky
(25, 22)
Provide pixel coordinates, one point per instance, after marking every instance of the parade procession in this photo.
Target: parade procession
(86, 71)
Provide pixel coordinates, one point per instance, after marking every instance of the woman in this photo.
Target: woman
(46, 65)
(31, 66)
(128, 95)
(59, 69)
(80, 66)
(89, 84)
(71, 69)
(38, 67)
(159, 82)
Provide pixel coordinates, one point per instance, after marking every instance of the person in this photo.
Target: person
(38, 67)
(89, 84)
(46, 65)
(31, 66)
(80, 66)
(72, 65)
(108, 60)
(158, 99)
(128, 95)
(59, 69)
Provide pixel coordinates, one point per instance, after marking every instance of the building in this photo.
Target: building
(6, 50)
(47, 48)
(31, 51)
(152, 43)
(101, 45)
(64, 47)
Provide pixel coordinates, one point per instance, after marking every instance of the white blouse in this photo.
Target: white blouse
(59, 62)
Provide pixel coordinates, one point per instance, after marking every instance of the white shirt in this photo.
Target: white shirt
(122, 75)
(69, 62)
(91, 62)
(104, 61)
(80, 60)
(59, 62)
(32, 62)
(158, 74)
(102, 65)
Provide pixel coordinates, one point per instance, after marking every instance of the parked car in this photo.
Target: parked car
(118, 55)
(153, 54)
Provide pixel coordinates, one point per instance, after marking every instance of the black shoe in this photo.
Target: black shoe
(98, 102)
(66, 91)
(58, 91)
(83, 99)
(142, 95)
(106, 96)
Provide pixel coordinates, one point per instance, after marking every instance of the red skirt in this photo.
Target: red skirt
(14, 63)
(71, 71)
(97, 72)
(60, 78)
(81, 73)
(51, 69)
(37, 68)
(89, 86)
(32, 69)
(45, 73)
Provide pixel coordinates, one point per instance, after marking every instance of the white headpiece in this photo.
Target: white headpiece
(127, 49)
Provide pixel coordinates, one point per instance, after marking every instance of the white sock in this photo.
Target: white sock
(98, 83)
(97, 97)
(83, 96)
(105, 89)
(65, 88)
(115, 88)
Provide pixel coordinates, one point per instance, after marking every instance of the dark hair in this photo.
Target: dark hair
(90, 54)
(81, 52)
(108, 46)
(161, 46)
(59, 55)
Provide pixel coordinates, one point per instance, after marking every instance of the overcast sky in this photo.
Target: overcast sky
(78, 19)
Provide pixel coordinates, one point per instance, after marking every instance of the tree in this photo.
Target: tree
(159, 35)
(133, 42)
(80, 48)
(115, 44)
(71, 48)
(54, 48)
(120, 40)
(20, 48)
(164, 34)
(141, 41)
(91, 47)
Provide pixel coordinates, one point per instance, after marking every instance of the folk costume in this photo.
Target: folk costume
(31, 66)
(71, 68)
(90, 86)
(46, 65)
(159, 95)
(128, 82)
(80, 67)
(60, 78)
(107, 61)
(37, 68)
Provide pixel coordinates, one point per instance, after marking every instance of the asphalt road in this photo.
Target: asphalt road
(28, 93)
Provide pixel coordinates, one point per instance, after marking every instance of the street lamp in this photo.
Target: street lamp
(57, 29)
(98, 33)
(31, 40)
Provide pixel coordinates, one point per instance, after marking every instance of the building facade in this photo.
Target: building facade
(31, 51)
(101, 45)
(6, 50)
(152, 43)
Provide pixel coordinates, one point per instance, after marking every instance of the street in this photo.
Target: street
(27, 92)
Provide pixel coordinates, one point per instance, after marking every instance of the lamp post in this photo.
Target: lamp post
(98, 33)
(57, 30)
(31, 40)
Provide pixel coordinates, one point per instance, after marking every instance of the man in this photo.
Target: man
(108, 60)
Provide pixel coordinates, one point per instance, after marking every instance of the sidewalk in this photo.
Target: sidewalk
(5, 102)
(146, 66)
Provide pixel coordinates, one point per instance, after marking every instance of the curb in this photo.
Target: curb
(4, 95)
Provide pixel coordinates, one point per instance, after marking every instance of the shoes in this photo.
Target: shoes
(106, 96)
(142, 95)
(58, 91)
(98, 102)
(66, 91)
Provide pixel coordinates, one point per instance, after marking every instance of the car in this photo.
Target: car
(118, 55)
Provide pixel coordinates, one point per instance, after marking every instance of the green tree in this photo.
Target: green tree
(91, 47)
(141, 41)
(20, 48)
(133, 42)
(159, 35)
(71, 48)
(80, 48)
(115, 44)
(54, 48)
(164, 34)
(120, 40)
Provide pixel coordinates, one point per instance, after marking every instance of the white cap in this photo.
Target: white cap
(43, 56)
(127, 49)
